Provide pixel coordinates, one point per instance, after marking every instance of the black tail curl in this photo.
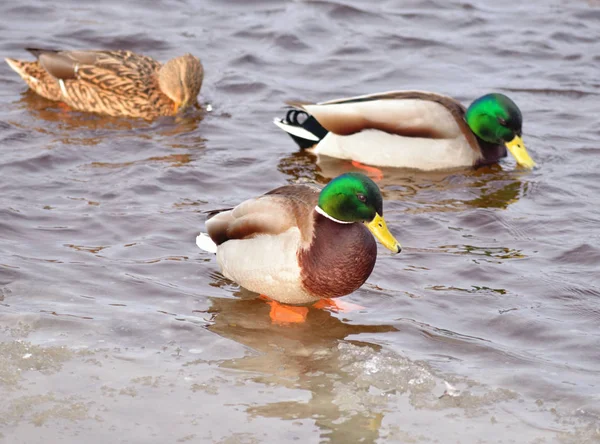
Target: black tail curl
(296, 117)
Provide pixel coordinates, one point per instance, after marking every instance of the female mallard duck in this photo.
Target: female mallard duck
(117, 83)
(410, 129)
(298, 244)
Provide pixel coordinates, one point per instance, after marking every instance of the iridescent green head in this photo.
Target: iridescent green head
(353, 197)
(496, 119)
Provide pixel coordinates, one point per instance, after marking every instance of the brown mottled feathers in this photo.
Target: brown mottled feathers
(117, 83)
(37, 78)
(378, 111)
(272, 213)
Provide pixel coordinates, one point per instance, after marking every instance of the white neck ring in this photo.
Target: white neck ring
(320, 210)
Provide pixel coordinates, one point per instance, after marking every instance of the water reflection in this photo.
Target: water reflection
(486, 187)
(498, 253)
(176, 160)
(301, 357)
(357, 391)
(67, 120)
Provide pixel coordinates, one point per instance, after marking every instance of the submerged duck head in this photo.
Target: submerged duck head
(496, 119)
(180, 79)
(353, 197)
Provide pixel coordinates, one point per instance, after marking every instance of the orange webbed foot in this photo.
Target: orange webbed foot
(375, 173)
(283, 314)
(337, 306)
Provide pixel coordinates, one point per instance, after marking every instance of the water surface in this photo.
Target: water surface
(116, 328)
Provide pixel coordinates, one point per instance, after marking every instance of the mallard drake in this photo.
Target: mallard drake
(117, 83)
(410, 129)
(299, 244)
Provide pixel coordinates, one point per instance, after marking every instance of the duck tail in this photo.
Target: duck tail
(302, 127)
(205, 243)
(17, 66)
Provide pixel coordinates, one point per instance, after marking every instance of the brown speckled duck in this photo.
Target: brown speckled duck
(116, 83)
(298, 244)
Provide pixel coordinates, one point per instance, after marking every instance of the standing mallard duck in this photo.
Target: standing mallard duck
(298, 244)
(410, 129)
(117, 83)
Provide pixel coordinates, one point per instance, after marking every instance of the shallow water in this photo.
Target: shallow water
(116, 328)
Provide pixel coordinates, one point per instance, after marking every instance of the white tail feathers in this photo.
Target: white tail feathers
(294, 130)
(205, 243)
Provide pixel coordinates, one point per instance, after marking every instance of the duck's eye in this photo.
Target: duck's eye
(362, 197)
(501, 121)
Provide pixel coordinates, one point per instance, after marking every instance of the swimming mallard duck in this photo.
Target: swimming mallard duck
(410, 129)
(298, 244)
(117, 83)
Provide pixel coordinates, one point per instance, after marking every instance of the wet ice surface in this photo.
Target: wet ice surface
(114, 327)
(281, 391)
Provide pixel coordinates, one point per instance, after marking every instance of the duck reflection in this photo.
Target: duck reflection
(69, 120)
(302, 357)
(485, 187)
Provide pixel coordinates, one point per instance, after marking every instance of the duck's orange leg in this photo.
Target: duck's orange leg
(376, 173)
(338, 306)
(285, 314)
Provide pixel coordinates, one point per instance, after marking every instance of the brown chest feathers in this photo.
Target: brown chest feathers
(340, 262)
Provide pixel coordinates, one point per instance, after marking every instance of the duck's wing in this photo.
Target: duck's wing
(405, 113)
(121, 72)
(271, 214)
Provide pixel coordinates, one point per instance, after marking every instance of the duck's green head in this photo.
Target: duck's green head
(497, 119)
(353, 197)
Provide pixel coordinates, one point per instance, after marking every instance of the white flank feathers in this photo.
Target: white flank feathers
(266, 264)
(378, 148)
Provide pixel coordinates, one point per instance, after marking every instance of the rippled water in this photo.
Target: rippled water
(116, 328)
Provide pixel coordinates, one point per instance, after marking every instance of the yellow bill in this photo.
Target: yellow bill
(379, 229)
(518, 150)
